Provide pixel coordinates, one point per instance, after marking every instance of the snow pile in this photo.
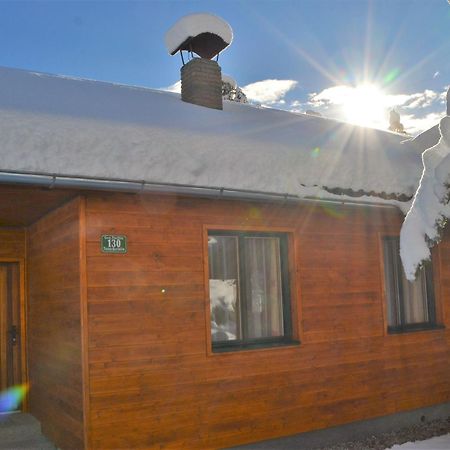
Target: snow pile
(430, 208)
(435, 443)
(193, 25)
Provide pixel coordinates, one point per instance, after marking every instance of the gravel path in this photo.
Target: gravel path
(420, 432)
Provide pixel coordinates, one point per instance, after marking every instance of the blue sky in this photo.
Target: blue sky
(309, 53)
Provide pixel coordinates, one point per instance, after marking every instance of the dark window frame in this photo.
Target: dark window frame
(248, 343)
(403, 326)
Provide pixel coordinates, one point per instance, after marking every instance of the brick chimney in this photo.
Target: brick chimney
(205, 35)
(201, 83)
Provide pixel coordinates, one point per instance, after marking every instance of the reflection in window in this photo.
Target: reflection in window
(248, 286)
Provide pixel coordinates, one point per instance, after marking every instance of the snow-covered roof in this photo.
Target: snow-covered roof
(81, 128)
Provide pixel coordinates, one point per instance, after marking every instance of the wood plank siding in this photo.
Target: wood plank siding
(12, 258)
(154, 383)
(21, 206)
(54, 325)
(12, 244)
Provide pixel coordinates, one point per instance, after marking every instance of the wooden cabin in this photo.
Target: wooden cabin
(181, 277)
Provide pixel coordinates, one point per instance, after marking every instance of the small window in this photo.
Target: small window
(410, 305)
(249, 289)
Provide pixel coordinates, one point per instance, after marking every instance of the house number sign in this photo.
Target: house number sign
(114, 244)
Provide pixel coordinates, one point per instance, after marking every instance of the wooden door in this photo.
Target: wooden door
(10, 346)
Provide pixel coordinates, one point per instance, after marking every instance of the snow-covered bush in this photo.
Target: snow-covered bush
(231, 91)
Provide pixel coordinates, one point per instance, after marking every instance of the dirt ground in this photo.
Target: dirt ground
(420, 432)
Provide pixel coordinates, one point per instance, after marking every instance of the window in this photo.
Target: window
(410, 305)
(249, 289)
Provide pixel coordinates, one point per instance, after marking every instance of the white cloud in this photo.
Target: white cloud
(419, 110)
(335, 95)
(369, 106)
(418, 100)
(415, 125)
(339, 95)
(268, 91)
(443, 95)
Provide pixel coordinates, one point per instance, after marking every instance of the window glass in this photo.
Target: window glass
(415, 299)
(262, 270)
(408, 303)
(248, 288)
(224, 287)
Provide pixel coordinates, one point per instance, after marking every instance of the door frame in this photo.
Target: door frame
(23, 323)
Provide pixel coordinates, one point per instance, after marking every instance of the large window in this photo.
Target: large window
(249, 289)
(410, 305)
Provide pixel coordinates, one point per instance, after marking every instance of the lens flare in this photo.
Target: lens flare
(333, 211)
(391, 76)
(255, 213)
(11, 398)
(365, 105)
(315, 152)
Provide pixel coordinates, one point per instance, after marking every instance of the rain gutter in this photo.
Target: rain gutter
(136, 187)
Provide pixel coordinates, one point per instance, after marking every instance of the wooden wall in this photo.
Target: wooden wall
(54, 325)
(13, 250)
(154, 382)
(12, 243)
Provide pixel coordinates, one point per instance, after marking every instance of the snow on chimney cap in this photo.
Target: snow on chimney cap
(202, 33)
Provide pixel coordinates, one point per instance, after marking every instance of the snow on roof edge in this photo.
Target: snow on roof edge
(313, 193)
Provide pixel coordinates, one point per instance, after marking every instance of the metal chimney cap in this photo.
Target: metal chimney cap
(202, 33)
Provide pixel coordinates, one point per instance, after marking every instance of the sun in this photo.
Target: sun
(365, 105)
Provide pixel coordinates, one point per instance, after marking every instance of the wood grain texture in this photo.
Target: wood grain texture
(11, 369)
(155, 384)
(54, 326)
(12, 252)
(3, 327)
(12, 244)
(21, 206)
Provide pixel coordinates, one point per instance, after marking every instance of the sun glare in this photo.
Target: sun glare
(365, 106)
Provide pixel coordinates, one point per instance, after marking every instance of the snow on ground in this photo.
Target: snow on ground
(430, 207)
(80, 128)
(435, 443)
(195, 24)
